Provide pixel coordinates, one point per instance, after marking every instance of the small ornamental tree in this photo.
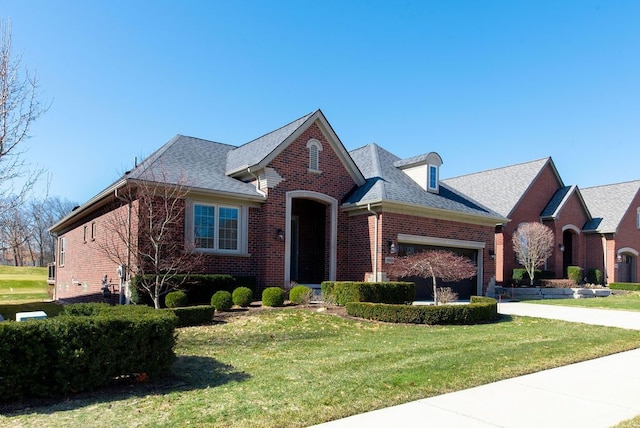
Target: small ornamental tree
(533, 245)
(434, 264)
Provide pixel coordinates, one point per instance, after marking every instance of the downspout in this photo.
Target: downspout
(257, 182)
(604, 255)
(375, 248)
(126, 272)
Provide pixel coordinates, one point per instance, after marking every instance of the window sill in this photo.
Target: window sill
(221, 253)
(315, 171)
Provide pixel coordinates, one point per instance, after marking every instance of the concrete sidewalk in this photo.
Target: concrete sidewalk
(596, 393)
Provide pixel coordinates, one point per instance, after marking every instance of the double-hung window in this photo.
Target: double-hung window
(62, 249)
(216, 227)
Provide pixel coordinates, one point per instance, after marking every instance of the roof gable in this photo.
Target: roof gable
(560, 199)
(501, 189)
(257, 154)
(608, 205)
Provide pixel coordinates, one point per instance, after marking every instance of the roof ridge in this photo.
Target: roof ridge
(305, 117)
(612, 184)
(499, 168)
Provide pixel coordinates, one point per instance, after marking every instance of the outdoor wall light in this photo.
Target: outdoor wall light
(393, 249)
(561, 246)
(280, 234)
(619, 258)
(492, 254)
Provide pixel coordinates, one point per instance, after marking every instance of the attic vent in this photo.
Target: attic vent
(315, 148)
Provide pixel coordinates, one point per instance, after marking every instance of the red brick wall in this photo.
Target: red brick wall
(362, 229)
(628, 235)
(86, 262)
(293, 165)
(528, 210)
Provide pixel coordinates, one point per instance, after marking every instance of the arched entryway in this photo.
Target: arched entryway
(569, 248)
(311, 238)
(626, 262)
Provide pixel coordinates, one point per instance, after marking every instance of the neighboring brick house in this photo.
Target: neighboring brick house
(614, 232)
(587, 223)
(292, 205)
(530, 192)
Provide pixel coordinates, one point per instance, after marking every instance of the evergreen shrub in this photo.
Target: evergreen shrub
(222, 301)
(176, 299)
(242, 296)
(300, 295)
(273, 296)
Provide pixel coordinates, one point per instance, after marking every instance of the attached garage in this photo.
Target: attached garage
(410, 244)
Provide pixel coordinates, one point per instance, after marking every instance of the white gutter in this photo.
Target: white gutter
(257, 182)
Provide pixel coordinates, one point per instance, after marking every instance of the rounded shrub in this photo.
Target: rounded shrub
(273, 296)
(221, 300)
(242, 296)
(176, 299)
(300, 295)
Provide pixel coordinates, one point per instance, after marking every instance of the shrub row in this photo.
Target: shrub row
(520, 276)
(595, 276)
(84, 348)
(198, 287)
(481, 309)
(342, 293)
(629, 286)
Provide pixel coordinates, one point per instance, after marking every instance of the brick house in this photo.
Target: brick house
(291, 205)
(595, 228)
(614, 231)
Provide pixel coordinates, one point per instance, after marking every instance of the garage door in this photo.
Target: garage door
(424, 287)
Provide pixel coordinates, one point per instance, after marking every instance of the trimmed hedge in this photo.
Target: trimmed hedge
(222, 300)
(194, 315)
(481, 309)
(300, 294)
(595, 276)
(343, 292)
(574, 273)
(273, 296)
(242, 296)
(176, 299)
(629, 286)
(84, 348)
(520, 276)
(198, 287)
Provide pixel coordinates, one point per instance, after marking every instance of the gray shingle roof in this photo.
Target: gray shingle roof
(608, 205)
(253, 152)
(556, 202)
(385, 182)
(193, 162)
(499, 189)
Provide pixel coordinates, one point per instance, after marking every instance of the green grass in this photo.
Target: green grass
(626, 302)
(292, 367)
(21, 284)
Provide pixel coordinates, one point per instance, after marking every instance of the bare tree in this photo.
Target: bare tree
(44, 213)
(533, 245)
(15, 231)
(434, 264)
(146, 234)
(19, 108)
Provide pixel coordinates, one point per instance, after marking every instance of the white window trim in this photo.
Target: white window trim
(638, 218)
(243, 228)
(62, 250)
(437, 170)
(316, 155)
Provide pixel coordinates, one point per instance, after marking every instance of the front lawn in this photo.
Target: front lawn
(627, 302)
(293, 367)
(20, 284)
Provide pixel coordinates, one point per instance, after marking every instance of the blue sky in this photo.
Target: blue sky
(483, 83)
